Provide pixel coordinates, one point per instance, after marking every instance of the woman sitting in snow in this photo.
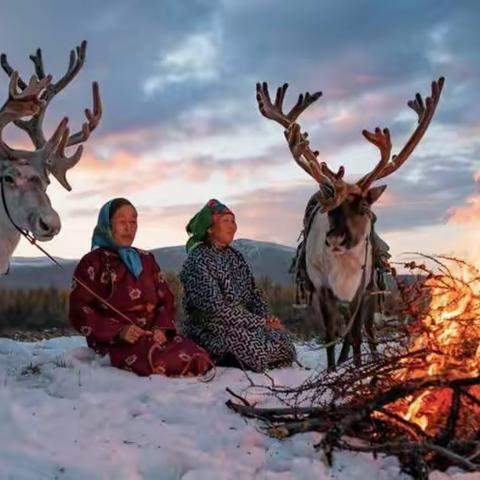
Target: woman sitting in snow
(134, 323)
(225, 312)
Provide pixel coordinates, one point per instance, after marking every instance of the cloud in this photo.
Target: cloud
(469, 213)
(196, 59)
(118, 161)
(109, 171)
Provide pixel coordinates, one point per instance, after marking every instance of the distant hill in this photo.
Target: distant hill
(265, 258)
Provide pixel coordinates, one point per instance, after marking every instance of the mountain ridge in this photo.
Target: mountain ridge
(267, 259)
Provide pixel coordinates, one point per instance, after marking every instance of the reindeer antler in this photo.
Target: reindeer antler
(25, 103)
(334, 189)
(382, 140)
(59, 163)
(19, 105)
(275, 112)
(425, 111)
(93, 119)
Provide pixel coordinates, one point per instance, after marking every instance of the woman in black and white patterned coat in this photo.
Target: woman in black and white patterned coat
(225, 312)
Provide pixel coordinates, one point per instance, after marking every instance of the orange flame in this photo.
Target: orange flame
(451, 332)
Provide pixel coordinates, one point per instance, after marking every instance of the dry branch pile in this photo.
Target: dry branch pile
(418, 399)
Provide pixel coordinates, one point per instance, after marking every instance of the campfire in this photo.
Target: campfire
(419, 399)
(448, 329)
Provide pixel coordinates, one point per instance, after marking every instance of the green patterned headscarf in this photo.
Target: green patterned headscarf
(198, 226)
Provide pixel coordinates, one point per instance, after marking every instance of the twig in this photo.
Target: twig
(403, 446)
(238, 397)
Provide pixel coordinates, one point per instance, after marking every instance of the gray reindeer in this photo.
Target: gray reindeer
(338, 222)
(24, 174)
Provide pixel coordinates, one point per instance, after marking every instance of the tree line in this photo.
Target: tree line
(45, 308)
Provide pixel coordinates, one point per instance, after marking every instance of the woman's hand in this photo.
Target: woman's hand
(159, 336)
(132, 333)
(274, 323)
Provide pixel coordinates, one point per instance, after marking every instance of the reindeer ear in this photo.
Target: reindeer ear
(374, 194)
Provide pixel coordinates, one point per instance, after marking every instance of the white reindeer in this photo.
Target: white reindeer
(338, 221)
(24, 205)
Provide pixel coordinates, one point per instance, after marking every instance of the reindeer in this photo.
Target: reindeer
(338, 226)
(24, 175)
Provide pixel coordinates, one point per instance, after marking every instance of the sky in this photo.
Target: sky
(181, 124)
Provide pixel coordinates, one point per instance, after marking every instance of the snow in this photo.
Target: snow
(66, 414)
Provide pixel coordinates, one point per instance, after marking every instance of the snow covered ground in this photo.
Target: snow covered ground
(66, 414)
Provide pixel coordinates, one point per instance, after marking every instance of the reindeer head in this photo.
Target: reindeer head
(350, 223)
(28, 204)
(24, 174)
(347, 205)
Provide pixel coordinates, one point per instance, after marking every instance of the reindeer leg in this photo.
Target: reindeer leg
(345, 351)
(356, 335)
(353, 338)
(364, 317)
(369, 322)
(347, 341)
(328, 315)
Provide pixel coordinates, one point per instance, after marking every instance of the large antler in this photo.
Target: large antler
(385, 167)
(56, 162)
(334, 189)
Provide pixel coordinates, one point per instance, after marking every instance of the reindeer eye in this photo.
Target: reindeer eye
(8, 179)
(364, 208)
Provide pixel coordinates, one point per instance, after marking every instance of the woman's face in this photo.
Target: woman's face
(124, 226)
(223, 229)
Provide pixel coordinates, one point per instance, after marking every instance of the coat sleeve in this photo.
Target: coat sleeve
(85, 315)
(203, 292)
(165, 308)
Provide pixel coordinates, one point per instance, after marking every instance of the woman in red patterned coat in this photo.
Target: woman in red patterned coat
(135, 326)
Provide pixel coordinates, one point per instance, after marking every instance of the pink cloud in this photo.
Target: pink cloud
(197, 171)
(366, 79)
(122, 172)
(131, 137)
(118, 161)
(470, 212)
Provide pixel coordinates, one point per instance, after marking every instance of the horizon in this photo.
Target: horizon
(16, 257)
(182, 124)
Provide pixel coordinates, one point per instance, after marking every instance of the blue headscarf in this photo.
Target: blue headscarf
(102, 237)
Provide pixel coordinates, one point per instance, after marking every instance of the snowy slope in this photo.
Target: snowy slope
(66, 414)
